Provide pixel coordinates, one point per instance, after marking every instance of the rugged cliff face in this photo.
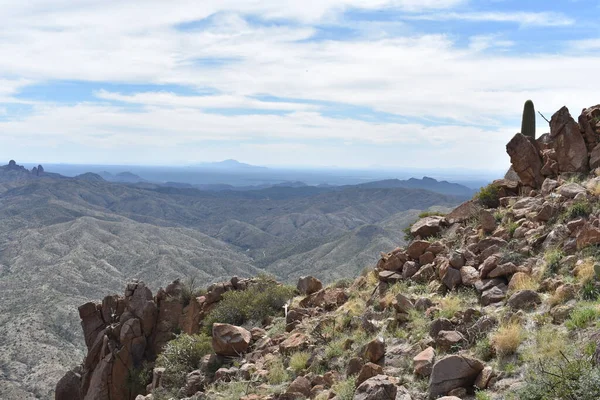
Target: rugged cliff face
(498, 299)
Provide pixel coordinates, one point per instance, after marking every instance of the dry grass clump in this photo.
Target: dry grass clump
(524, 282)
(585, 271)
(508, 338)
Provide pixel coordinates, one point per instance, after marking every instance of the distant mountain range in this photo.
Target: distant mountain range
(65, 241)
(210, 176)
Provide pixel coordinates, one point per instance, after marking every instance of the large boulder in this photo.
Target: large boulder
(428, 226)
(230, 340)
(526, 161)
(464, 212)
(376, 388)
(309, 285)
(568, 143)
(453, 372)
(524, 300)
(68, 387)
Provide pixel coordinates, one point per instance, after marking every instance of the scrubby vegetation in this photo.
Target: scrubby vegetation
(262, 299)
(488, 196)
(181, 356)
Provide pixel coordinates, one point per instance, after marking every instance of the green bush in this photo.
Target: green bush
(181, 356)
(277, 373)
(344, 390)
(577, 210)
(262, 299)
(576, 379)
(489, 196)
(190, 290)
(299, 361)
(552, 258)
(582, 316)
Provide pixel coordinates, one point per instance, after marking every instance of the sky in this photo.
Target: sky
(347, 83)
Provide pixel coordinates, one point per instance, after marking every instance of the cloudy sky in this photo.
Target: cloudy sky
(354, 83)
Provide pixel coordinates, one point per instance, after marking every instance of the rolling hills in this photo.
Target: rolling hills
(64, 241)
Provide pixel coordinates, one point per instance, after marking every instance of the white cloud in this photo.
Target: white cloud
(419, 76)
(203, 102)
(548, 19)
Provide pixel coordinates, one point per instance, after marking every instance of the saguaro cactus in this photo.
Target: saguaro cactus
(528, 121)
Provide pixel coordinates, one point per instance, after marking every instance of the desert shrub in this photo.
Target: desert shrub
(590, 291)
(489, 196)
(181, 356)
(507, 338)
(484, 349)
(190, 290)
(137, 379)
(582, 316)
(277, 373)
(335, 348)
(482, 395)
(299, 360)
(549, 343)
(577, 210)
(260, 300)
(344, 390)
(552, 258)
(511, 227)
(576, 379)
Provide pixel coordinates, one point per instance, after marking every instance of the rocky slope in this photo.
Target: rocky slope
(499, 299)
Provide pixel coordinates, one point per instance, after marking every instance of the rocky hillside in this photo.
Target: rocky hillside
(499, 299)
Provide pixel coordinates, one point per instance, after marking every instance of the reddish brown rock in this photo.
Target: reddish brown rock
(300, 385)
(428, 227)
(309, 285)
(376, 388)
(524, 300)
(423, 362)
(375, 350)
(328, 298)
(230, 340)
(464, 212)
(589, 235)
(487, 221)
(453, 372)
(567, 141)
(368, 371)
(295, 342)
(452, 278)
(525, 160)
(416, 248)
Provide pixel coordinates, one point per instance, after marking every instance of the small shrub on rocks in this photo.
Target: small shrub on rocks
(260, 300)
(583, 316)
(577, 210)
(345, 389)
(181, 356)
(489, 196)
(298, 361)
(277, 373)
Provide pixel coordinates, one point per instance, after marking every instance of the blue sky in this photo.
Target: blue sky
(352, 83)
